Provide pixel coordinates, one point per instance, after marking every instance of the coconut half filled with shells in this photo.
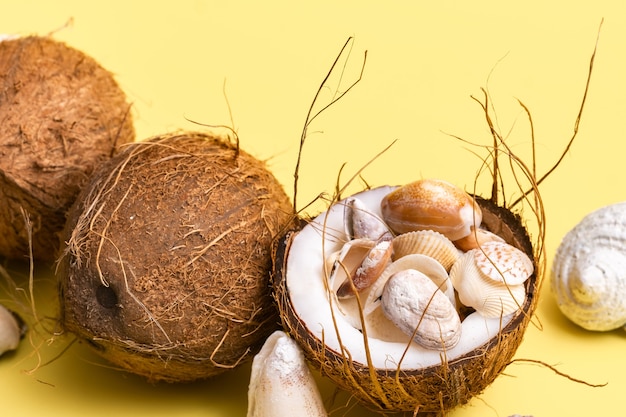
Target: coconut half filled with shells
(412, 298)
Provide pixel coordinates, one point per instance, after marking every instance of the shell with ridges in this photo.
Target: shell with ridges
(589, 270)
(502, 262)
(426, 242)
(488, 297)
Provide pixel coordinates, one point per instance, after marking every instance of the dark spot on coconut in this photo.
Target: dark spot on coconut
(106, 296)
(182, 234)
(95, 345)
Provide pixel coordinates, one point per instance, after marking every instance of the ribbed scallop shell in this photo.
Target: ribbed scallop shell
(488, 297)
(589, 270)
(426, 242)
(503, 262)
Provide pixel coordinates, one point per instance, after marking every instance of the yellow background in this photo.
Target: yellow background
(425, 61)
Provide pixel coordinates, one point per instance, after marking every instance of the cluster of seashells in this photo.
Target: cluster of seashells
(422, 265)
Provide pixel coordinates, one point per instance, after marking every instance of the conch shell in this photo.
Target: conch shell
(281, 384)
(589, 270)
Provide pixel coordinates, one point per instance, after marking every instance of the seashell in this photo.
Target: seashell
(502, 262)
(431, 204)
(477, 237)
(11, 330)
(426, 242)
(589, 270)
(345, 261)
(361, 273)
(417, 307)
(422, 263)
(490, 298)
(360, 222)
(281, 384)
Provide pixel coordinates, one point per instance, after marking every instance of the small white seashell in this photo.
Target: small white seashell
(417, 307)
(490, 298)
(589, 270)
(426, 242)
(360, 222)
(10, 330)
(281, 384)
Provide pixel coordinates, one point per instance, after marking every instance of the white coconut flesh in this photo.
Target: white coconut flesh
(337, 321)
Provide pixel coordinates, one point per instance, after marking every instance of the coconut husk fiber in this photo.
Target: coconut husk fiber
(167, 269)
(61, 116)
(429, 391)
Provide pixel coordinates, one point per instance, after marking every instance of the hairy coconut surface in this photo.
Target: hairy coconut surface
(426, 391)
(61, 115)
(167, 271)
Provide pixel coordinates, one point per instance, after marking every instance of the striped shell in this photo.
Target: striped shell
(589, 270)
(426, 242)
(490, 298)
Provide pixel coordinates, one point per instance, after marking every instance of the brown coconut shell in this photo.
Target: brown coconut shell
(62, 115)
(429, 391)
(167, 271)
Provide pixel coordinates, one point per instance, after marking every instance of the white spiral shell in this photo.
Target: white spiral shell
(589, 270)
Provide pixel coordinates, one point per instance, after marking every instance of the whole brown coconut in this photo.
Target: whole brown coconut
(61, 115)
(400, 383)
(168, 264)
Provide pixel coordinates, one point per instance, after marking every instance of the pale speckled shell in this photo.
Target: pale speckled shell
(426, 242)
(490, 298)
(422, 263)
(502, 262)
(281, 384)
(589, 270)
(417, 307)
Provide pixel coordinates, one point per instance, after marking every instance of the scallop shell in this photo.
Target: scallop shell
(490, 298)
(589, 270)
(413, 302)
(426, 242)
(281, 384)
(502, 262)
